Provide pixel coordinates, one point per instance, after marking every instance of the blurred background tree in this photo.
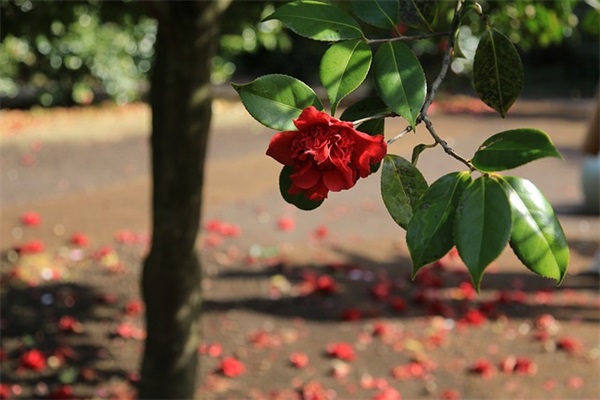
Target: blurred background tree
(67, 53)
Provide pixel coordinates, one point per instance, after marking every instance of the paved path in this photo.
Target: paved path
(101, 184)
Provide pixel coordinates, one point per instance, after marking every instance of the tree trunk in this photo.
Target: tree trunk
(181, 112)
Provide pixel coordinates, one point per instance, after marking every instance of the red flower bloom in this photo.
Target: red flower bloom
(232, 367)
(134, 307)
(483, 367)
(64, 392)
(33, 359)
(32, 247)
(326, 284)
(570, 345)
(450, 394)
(4, 391)
(299, 359)
(327, 154)
(69, 324)
(341, 350)
(351, 314)
(80, 239)
(388, 394)
(31, 218)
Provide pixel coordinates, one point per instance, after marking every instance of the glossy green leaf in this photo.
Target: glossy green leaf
(344, 67)
(510, 149)
(418, 13)
(274, 100)
(537, 237)
(497, 71)
(299, 200)
(318, 21)
(400, 80)
(482, 225)
(402, 185)
(369, 106)
(418, 149)
(430, 234)
(379, 13)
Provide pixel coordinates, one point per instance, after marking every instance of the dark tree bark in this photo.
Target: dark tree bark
(181, 113)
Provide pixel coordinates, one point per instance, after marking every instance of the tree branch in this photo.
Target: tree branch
(444, 144)
(409, 38)
(445, 62)
(435, 87)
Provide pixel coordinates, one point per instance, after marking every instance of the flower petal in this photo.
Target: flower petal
(280, 147)
(306, 177)
(337, 180)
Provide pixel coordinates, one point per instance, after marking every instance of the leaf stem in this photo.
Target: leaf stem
(398, 136)
(372, 117)
(409, 38)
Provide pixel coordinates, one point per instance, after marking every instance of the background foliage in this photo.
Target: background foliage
(63, 53)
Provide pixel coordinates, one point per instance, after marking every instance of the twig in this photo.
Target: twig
(442, 142)
(372, 117)
(435, 87)
(445, 62)
(398, 136)
(409, 38)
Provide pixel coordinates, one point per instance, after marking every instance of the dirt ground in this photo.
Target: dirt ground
(316, 305)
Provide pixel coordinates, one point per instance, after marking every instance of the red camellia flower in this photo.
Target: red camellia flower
(33, 359)
(327, 154)
(299, 359)
(31, 218)
(232, 367)
(341, 350)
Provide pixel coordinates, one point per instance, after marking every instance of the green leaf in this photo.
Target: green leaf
(274, 100)
(318, 21)
(379, 13)
(400, 80)
(482, 225)
(68, 376)
(513, 148)
(418, 149)
(402, 185)
(299, 200)
(418, 13)
(430, 233)
(536, 237)
(366, 107)
(497, 71)
(344, 67)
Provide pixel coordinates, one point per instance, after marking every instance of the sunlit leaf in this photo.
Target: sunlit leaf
(318, 21)
(274, 100)
(299, 200)
(400, 80)
(379, 13)
(482, 225)
(537, 237)
(430, 234)
(402, 185)
(497, 71)
(344, 67)
(510, 149)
